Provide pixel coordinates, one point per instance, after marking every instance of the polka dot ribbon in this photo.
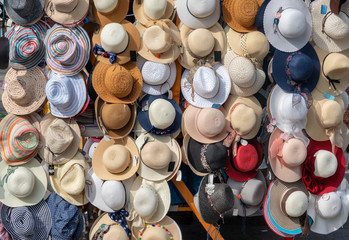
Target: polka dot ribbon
(98, 50)
(120, 217)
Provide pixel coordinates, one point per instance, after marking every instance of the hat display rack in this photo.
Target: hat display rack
(105, 102)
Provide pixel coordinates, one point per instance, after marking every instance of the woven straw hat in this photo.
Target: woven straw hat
(25, 12)
(109, 11)
(115, 230)
(117, 84)
(25, 91)
(147, 11)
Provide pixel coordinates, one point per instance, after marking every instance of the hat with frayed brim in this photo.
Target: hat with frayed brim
(112, 11)
(25, 13)
(140, 9)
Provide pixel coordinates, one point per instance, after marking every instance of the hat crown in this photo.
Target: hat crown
(201, 8)
(21, 182)
(247, 158)
(105, 6)
(295, 203)
(336, 66)
(119, 83)
(60, 91)
(201, 42)
(294, 152)
(289, 112)
(22, 7)
(206, 82)
(59, 136)
(22, 220)
(300, 67)
(114, 38)
(331, 113)
(64, 48)
(162, 113)
(336, 26)
(155, 73)
(325, 164)
(116, 158)
(210, 122)
(252, 194)
(157, 39)
(155, 9)
(115, 116)
(155, 233)
(109, 191)
(329, 205)
(242, 72)
(65, 6)
(18, 91)
(28, 41)
(72, 178)
(243, 119)
(27, 138)
(156, 155)
(245, 12)
(146, 201)
(292, 23)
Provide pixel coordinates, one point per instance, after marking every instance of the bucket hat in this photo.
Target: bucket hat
(152, 10)
(109, 11)
(25, 12)
(3, 232)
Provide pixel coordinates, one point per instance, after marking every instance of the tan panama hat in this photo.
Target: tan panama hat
(147, 11)
(109, 11)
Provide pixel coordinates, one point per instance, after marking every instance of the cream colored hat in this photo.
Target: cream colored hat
(148, 11)
(109, 11)
(115, 230)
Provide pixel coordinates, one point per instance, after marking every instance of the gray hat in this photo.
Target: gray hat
(25, 12)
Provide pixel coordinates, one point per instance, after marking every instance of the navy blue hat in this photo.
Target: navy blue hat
(296, 71)
(67, 219)
(260, 16)
(145, 120)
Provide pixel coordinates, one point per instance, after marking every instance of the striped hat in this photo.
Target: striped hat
(19, 138)
(32, 222)
(67, 49)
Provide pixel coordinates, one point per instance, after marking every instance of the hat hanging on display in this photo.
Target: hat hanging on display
(260, 17)
(3, 232)
(90, 146)
(287, 24)
(25, 12)
(109, 11)
(148, 11)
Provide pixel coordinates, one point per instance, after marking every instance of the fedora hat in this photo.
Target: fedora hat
(148, 11)
(206, 125)
(160, 156)
(324, 169)
(69, 180)
(206, 85)
(117, 83)
(3, 232)
(114, 43)
(287, 24)
(160, 41)
(27, 222)
(32, 179)
(25, 12)
(25, 91)
(116, 159)
(158, 78)
(241, 14)
(67, 49)
(69, 13)
(201, 43)
(330, 30)
(60, 139)
(109, 11)
(19, 138)
(198, 13)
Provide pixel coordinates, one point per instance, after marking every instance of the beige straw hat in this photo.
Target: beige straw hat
(147, 11)
(115, 232)
(109, 11)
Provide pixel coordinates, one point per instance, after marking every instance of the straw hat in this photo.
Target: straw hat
(241, 14)
(160, 41)
(117, 83)
(152, 10)
(23, 185)
(109, 11)
(116, 159)
(198, 13)
(330, 30)
(19, 138)
(25, 13)
(114, 42)
(293, 28)
(69, 180)
(201, 43)
(70, 12)
(115, 230)
(206, 86)
(160, 156)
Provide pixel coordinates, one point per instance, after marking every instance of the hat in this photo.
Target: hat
(198, 13)
(330, 30)
(67, 219)
(246, 79)
(260, 16)
(323, 171)
(160, 156)
(148, 11)
(28, 222)
(248, 195)
(90, 146)
(206, 85)
(25, 91)
(149, 200)
(69, 12)
(117, 83)
(201, 43)
(25, 12)
(158, 78)
(286, 155)
(109, 11)
(160, 41)
(114, 42)
(67, 49)
(159, 115)
(30, 177)
(116, 159)
(287, 24)
(241, 14)
(60, 139)
(3, 232)
(19, 138)
(297, 71)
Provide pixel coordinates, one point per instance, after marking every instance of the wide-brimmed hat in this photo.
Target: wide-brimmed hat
(67, 219)
(260, 17)
(323, 171)
(201, 43)
(159, 115)
(148, 11)
(60, 139)
(67, 49)
(330, 30)
(28, 222)
(115, 42)
(198, 14)
(3, 232)
(69, 179)
(158, 78)
(160, 41)
(25, 13)
(287, 24)
(240, 15)
(19, 138)
(206, 85)
(117, 83)
(109, 11)
(116, 159)
(32, 179)
(25, 91)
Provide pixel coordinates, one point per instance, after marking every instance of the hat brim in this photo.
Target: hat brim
(117, 15)
(35, 16)
(144, 19)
